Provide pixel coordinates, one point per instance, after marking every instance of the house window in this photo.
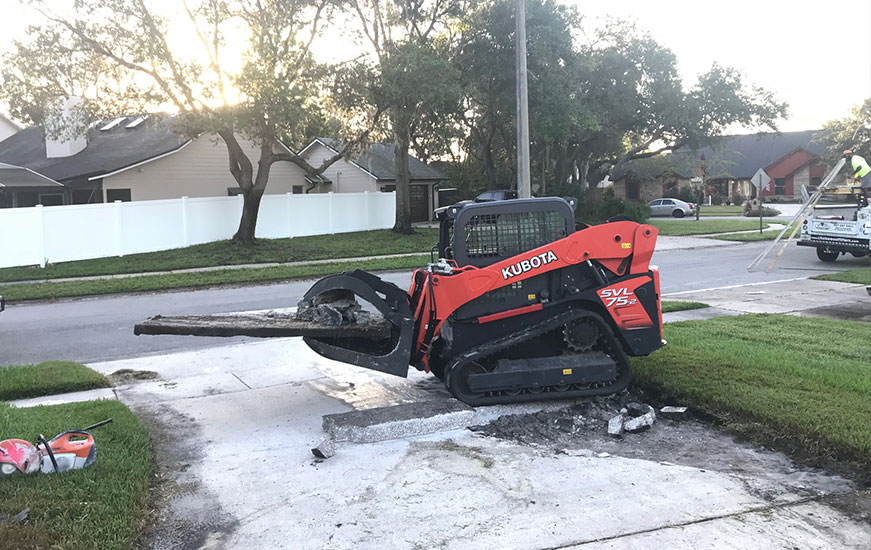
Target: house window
(297, 189)
(780, 186)
(816, 181)
(388, 188)
(632, 190)
(113, 195)
(233, 191)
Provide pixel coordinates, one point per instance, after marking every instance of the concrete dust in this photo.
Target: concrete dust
(129, 376)
(183, 514)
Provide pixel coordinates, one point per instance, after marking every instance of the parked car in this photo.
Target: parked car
(496, 195)
(671, 207)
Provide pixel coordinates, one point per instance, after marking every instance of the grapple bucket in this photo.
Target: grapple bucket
(391, 355)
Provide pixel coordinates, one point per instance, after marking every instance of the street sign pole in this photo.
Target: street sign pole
(760, 180)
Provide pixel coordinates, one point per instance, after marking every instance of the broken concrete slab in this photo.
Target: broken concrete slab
(63, 398)
(635, 410)
(674, 413)
(641, 423)
(398, 421)
(325, 449)
(615, 425)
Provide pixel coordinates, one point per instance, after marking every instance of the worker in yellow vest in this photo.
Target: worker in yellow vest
(859, 169)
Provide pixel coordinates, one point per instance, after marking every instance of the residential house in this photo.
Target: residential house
(375, 170)
(7, 127)
(791, 160)
(139, 157)
(24, 187)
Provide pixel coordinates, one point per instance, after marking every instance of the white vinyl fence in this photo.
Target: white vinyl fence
(40, 235)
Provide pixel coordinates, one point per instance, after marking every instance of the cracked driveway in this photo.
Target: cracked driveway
(239, 423)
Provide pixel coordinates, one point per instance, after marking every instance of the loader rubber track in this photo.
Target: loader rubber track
(606, 343)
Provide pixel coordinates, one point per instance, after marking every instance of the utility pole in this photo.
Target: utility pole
(524, 185)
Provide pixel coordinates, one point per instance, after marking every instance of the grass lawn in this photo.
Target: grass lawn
(103, 506)
(861, 276)
(794, 383)
(721, 211)
(49, 378)
(48, 290)
(702, 227)
(319, 247)
(669, 306)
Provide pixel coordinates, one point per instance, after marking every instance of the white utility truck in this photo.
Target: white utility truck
(840, 223)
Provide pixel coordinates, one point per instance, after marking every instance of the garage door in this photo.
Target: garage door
(419, 203)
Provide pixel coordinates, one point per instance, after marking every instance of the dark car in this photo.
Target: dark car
(496, 195)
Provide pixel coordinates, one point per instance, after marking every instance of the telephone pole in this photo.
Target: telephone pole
(524, 186)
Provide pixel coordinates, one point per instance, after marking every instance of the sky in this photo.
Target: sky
(814, 55)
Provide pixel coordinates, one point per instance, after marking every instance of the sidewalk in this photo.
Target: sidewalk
(803, 297)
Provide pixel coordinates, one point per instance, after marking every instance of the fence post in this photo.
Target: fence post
(289, 214)
(185, 238)
(367, 204)
(40, 214)
(119, 240)
(330, 208)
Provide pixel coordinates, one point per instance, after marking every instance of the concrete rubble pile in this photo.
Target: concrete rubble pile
(333, 308)
(638, 417)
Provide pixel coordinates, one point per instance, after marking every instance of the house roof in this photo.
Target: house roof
(16, 176)
(10, 121)
(108, 150)
(738, 156)
(379, 161)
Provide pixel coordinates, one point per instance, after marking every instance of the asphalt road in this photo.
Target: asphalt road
(98, 329)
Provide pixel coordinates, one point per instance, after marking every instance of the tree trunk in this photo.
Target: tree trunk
(250, 210)
(403, 190)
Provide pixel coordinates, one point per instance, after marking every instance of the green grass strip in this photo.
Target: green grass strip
(721, 211)
(299, 249)
(49, 378)
(103, 506)
(145, 283)
(669, 306)
(861, 276)
(677, 228)
(791, 379)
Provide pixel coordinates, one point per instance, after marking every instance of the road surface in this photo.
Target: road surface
(101, 328)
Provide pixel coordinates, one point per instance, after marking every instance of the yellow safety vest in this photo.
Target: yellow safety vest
(860, 166)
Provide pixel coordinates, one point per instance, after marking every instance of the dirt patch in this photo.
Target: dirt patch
(176, 496)
(855, 505)
(694, 442)
(129, 376)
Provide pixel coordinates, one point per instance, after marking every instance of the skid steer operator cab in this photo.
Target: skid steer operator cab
(481, 234)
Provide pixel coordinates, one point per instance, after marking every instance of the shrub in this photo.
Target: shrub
(738, 199)
(716, 199)
(598, 207)
(686, 194)
(767, 212)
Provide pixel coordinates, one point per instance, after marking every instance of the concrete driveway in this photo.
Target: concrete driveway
(233, 427)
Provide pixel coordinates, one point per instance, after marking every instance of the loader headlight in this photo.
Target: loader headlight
(867, 227)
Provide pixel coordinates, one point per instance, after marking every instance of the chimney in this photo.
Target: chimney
(65, 127)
